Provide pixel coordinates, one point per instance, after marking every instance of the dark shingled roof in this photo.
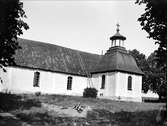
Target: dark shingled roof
(117, 59)
(53, 58)
(49, 57)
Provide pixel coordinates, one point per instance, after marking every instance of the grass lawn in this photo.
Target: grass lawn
(30, 109)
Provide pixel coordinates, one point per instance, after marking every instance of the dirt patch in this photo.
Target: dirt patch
(67, 111)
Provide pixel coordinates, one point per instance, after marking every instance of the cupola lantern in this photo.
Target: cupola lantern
(117, 39)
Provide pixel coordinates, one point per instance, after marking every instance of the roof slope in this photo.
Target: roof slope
(117, 59)
(55, 58)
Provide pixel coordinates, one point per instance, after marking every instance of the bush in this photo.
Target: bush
(90, 93)
(38, 93)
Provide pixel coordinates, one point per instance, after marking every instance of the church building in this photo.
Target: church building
(52, 69)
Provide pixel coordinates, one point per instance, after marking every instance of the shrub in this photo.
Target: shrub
(38, 93)
(90, 93)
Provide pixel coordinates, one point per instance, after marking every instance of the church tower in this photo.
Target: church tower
(117, 73)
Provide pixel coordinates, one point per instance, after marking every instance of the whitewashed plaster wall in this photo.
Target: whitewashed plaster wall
(150, 94)
(20, 80)
(122, 87)
(110, 84)
(116, 86)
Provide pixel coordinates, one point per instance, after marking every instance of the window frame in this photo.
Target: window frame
(103, 81)
(129, 86)
(36, 79)
(69, 82)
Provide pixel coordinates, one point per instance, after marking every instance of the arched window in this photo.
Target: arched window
(69, 83)
(129, 83)
(36, 79)
(103, 79)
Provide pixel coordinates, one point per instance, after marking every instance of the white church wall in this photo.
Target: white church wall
(20, 80)
(110, 80)
(150, 94)
(116, 86)
(112, 84)
(122, 87)
(96, 81)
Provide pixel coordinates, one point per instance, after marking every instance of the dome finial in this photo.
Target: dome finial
(118, 27)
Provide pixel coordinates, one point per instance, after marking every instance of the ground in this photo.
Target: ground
(58, 110)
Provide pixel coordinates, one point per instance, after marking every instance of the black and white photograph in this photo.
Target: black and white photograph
(83, 63)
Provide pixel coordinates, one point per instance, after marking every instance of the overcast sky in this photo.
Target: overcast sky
(86, 25)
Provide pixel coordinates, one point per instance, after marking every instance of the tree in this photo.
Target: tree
(153, 78)
(11, 26)
(154, 22)
(156, 76)
(144, 66)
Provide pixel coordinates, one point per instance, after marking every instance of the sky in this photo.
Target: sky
(86, 25)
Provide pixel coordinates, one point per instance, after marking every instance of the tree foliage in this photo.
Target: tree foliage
(11, 26)
(154, 22)
(143, 65)
(154, 78)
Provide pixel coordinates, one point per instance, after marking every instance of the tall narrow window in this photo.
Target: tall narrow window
(103, 82)
(69, 83)
(129, 83)
(36, 79)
